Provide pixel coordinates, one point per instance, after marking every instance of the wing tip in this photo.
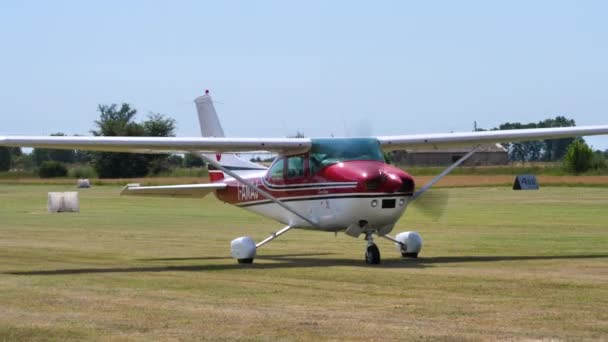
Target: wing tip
(127, 188)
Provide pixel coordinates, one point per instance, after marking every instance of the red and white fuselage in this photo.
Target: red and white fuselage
(335, 197)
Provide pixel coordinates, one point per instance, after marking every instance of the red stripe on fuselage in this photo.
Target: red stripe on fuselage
(352, 177)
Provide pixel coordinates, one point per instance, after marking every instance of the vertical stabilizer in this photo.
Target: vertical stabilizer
(207, 117)
(211, 127)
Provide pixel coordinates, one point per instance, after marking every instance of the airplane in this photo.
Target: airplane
(323, 184)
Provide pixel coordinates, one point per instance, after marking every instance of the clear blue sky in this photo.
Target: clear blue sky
(321, 67)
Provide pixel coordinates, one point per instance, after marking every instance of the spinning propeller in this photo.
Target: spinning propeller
(432, 204)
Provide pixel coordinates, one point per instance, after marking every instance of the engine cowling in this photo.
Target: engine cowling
(412, 244)
(243, 249)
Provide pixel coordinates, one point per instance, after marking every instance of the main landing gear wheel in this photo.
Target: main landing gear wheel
(372, 255)
(245, 261)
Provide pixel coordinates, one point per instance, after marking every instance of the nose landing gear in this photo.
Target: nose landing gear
(409, 245)
(372, 253)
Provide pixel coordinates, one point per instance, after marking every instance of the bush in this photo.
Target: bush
(51, 169)
(579, 157)
(82, 172)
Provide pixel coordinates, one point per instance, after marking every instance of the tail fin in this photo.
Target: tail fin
(207, 117)
(211, 127)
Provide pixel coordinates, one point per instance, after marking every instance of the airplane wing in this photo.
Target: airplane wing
(161, 144)
(184, 191)
(289, 145)
(436, 141)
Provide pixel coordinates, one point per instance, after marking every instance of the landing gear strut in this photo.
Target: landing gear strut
(372, 253)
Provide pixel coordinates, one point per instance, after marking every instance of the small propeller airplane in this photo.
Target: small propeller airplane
(327, 184)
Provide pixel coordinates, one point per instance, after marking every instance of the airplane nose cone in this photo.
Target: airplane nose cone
(385, 182)
(392, 183)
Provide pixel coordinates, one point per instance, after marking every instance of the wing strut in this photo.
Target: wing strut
(272, 237)
(390, 238)
(261, 192)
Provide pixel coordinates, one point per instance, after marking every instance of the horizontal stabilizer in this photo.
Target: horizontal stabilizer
(184, 190)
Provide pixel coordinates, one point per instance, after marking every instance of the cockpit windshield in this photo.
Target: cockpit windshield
(325, 152)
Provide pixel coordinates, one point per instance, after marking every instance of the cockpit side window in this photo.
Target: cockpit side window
(295, 167)
(276, 170)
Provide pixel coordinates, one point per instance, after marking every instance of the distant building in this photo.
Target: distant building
(488, 155)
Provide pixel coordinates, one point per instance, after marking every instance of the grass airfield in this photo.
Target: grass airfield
(499, 264)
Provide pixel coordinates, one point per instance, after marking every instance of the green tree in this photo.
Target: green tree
(119, 121)
(114, 121)
(5, 159)
(158, 125)
(579, 157)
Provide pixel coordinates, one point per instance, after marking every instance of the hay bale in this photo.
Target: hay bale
(83, 184)
(59, 202)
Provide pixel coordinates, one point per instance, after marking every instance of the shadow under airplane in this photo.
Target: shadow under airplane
(300, 261)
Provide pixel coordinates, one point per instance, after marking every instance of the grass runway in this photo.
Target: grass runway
(499, 264)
